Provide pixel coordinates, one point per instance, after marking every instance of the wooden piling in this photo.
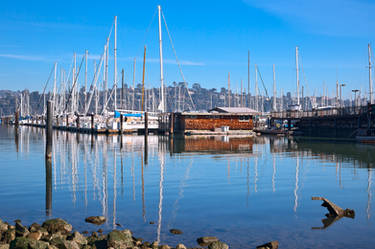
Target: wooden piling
(121, 121)
(49, 130)
(171, 124)
(77, 122)
(92, 123)
(67, 121)
(17, 119)
(146, 123)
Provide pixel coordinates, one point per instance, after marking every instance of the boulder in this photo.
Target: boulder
(19, 243)
(180, 246)
(218, 245)
(57, 225)
(21, 230)
(37, 244)
(61, 243)
(9, 235)
(205, 241)
(164, 247)
(3, 226)
(155, 244)
(78, 238)
(35, 235)
(120, 239)
(270, 245)
(4, 246)
(175, 231)
(34, 227)
(97, 220)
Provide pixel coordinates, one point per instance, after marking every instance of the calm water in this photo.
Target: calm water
(244, 191)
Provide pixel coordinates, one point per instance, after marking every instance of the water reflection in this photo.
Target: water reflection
(121, 174)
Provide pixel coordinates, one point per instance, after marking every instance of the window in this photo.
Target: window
(244, 118)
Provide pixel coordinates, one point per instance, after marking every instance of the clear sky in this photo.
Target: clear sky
(211, 39)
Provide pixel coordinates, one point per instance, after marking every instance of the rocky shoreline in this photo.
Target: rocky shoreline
(59, 234)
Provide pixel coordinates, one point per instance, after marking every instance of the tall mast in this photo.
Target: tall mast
(370, 75)
(85, 92)
(274, 89)
(256, 88)
(143, 79)
(228, 89)
(105, 73)
(248, 78)
(73, 80)
(162, 103)
(337, 93)
(115, 62)
(122, 88)
(54, 88)
(133, 83)
(297, 75)
(241, 95)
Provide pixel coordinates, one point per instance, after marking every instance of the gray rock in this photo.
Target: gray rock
(78, 238)
(180, 246)
(35, 235)
(205, 241)
(97, 220)
(120, 239)
(61, 243)
(4, 246)
(19, 243)
(270, 245)
(3, 226)
(175, 231)
(57, 225)
(21, 230)
(34, 227)
(37, 244)
(155, 244)
(218, 245)
(9, 235)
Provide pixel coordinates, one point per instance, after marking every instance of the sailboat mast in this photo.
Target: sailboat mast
(143, 79)
(85, 92)
(133, 83)
(115, 64)
(370, 75)
(274, 89)
(256, 88)
(162, 103)
(228, 89)
(248, 78)
(297, 75)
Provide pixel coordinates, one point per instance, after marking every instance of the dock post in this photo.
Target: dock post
(145, 145)
(121, 121)
(77, 122)
(92, 123)
(57, 121)
(49, 131)
(67, 121)
(17, 119)
(146, 123)
(48, 166)
(171, 124)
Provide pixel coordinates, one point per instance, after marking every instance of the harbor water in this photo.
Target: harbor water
(245, 191)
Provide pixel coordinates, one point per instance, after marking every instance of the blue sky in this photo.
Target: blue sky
(211, 39)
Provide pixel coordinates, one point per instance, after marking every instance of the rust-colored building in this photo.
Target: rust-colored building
(215, 119)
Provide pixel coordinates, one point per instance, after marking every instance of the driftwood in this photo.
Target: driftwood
(335, 212)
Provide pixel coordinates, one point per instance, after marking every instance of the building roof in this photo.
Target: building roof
(233, 110)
